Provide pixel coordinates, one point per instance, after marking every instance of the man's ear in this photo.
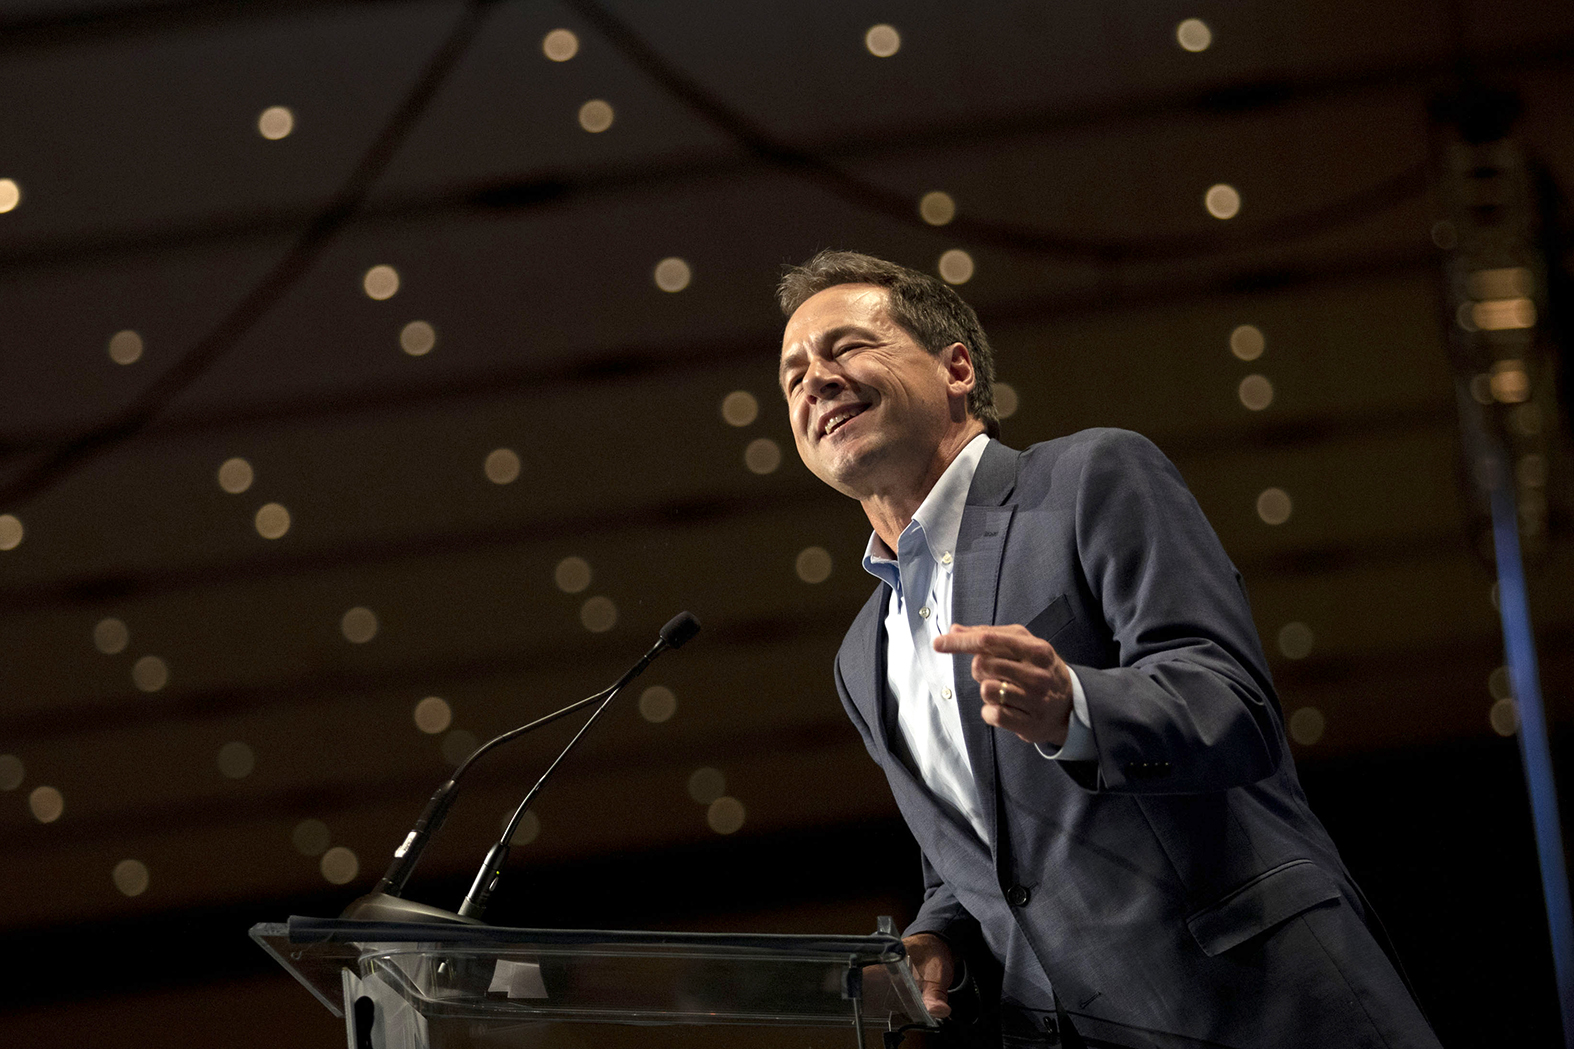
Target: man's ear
(959, 368)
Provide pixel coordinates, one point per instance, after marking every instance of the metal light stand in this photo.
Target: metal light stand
(1497, 293)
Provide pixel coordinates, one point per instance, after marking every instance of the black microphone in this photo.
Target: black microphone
(675, 634)
(679, 629)
(384, 903)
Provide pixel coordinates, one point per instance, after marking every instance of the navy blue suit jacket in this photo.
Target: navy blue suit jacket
(1177, 891)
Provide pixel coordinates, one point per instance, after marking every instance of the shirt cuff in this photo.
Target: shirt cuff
(1079, 745)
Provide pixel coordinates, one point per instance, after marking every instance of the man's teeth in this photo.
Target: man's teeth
(836, 423)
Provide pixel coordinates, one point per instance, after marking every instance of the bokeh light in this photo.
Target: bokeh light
(883, 40)
(46, 804)
(529, 828)
(125, 347)
(1273, 506)
(381, 282)
(1247, 342)
(310, 837)
(706, 785)
(130, 877)
(150, 673)
(433, 715)
(1006, 400)
(417, 338)
(1255, 392)
(598, 614)
(359, 625)
(560, 45)
(458, 745)
(235, 475)
(275, 122)
(272, 521)
(725, 815)
(111, 636)
(1296, 640)
(762, 456)
(813, 564)
(11, 531)
(1223, 201)
(657, 704)
(1307, 725)
(672, 274)
(236, 760)
(595, 116)
(1194, 35)
(502, 466)
(1498, 684)
(1504, 717)
(937, 208)
(740, 408)
(13, 772)
(10, 195)
(340, 865)
(572, 575)
(955, 266)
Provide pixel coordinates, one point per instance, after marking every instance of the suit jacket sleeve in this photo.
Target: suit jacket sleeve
(1189, 706)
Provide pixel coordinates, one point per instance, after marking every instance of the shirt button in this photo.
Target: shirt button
(924, 611)
(945, 559)
(945, 693)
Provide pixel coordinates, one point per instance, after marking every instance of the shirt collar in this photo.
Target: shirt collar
(939, 517)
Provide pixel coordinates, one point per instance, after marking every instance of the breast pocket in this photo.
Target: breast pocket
(1055, 618)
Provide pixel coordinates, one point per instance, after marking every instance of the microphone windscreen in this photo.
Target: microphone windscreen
(682, 627)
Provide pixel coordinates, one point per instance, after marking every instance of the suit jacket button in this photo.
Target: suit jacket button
(1017, 896)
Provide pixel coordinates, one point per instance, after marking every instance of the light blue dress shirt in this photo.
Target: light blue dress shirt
(923, 680)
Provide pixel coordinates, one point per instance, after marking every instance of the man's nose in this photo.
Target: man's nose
(822, 379)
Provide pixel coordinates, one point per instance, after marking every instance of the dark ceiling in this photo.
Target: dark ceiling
(1077, 141)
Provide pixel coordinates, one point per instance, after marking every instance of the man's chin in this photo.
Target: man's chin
(850, 475)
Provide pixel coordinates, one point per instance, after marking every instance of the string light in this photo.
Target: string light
(276, 122)
(595, 116)
(1194, 35)
(883, 40)
(560, 45)
(1223, 201)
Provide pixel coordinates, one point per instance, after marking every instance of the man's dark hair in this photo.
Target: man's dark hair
(926, 308)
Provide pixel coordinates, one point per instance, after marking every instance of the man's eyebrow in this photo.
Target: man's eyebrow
(788, 359)
(824, 338)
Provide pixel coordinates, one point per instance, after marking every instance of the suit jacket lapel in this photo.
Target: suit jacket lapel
(975, 584)
(865, 670)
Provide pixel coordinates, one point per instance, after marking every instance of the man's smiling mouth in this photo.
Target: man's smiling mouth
(834, 421)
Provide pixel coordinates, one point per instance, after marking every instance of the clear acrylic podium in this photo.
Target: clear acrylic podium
(404, 985)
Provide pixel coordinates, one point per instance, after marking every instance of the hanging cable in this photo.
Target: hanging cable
(267, 293)
(872, 196)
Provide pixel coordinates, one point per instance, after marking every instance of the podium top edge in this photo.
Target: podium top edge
(304, 930)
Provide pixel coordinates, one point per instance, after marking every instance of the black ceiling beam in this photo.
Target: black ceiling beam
(619, 364)
(38, 30)
(548, 187)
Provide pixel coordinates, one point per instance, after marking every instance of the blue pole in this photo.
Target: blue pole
(1519, 644)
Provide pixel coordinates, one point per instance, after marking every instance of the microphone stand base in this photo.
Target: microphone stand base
(381, 907)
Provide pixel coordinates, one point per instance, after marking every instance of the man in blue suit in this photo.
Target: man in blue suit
(1060, 676)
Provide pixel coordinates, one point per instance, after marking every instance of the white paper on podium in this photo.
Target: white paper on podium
(518, 979)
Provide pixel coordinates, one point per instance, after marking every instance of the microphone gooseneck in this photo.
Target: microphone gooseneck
(675, 634)
(385, 902)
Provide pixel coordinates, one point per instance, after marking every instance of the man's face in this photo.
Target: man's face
(869, 407)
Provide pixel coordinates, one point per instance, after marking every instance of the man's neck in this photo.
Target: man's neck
(891, 511)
